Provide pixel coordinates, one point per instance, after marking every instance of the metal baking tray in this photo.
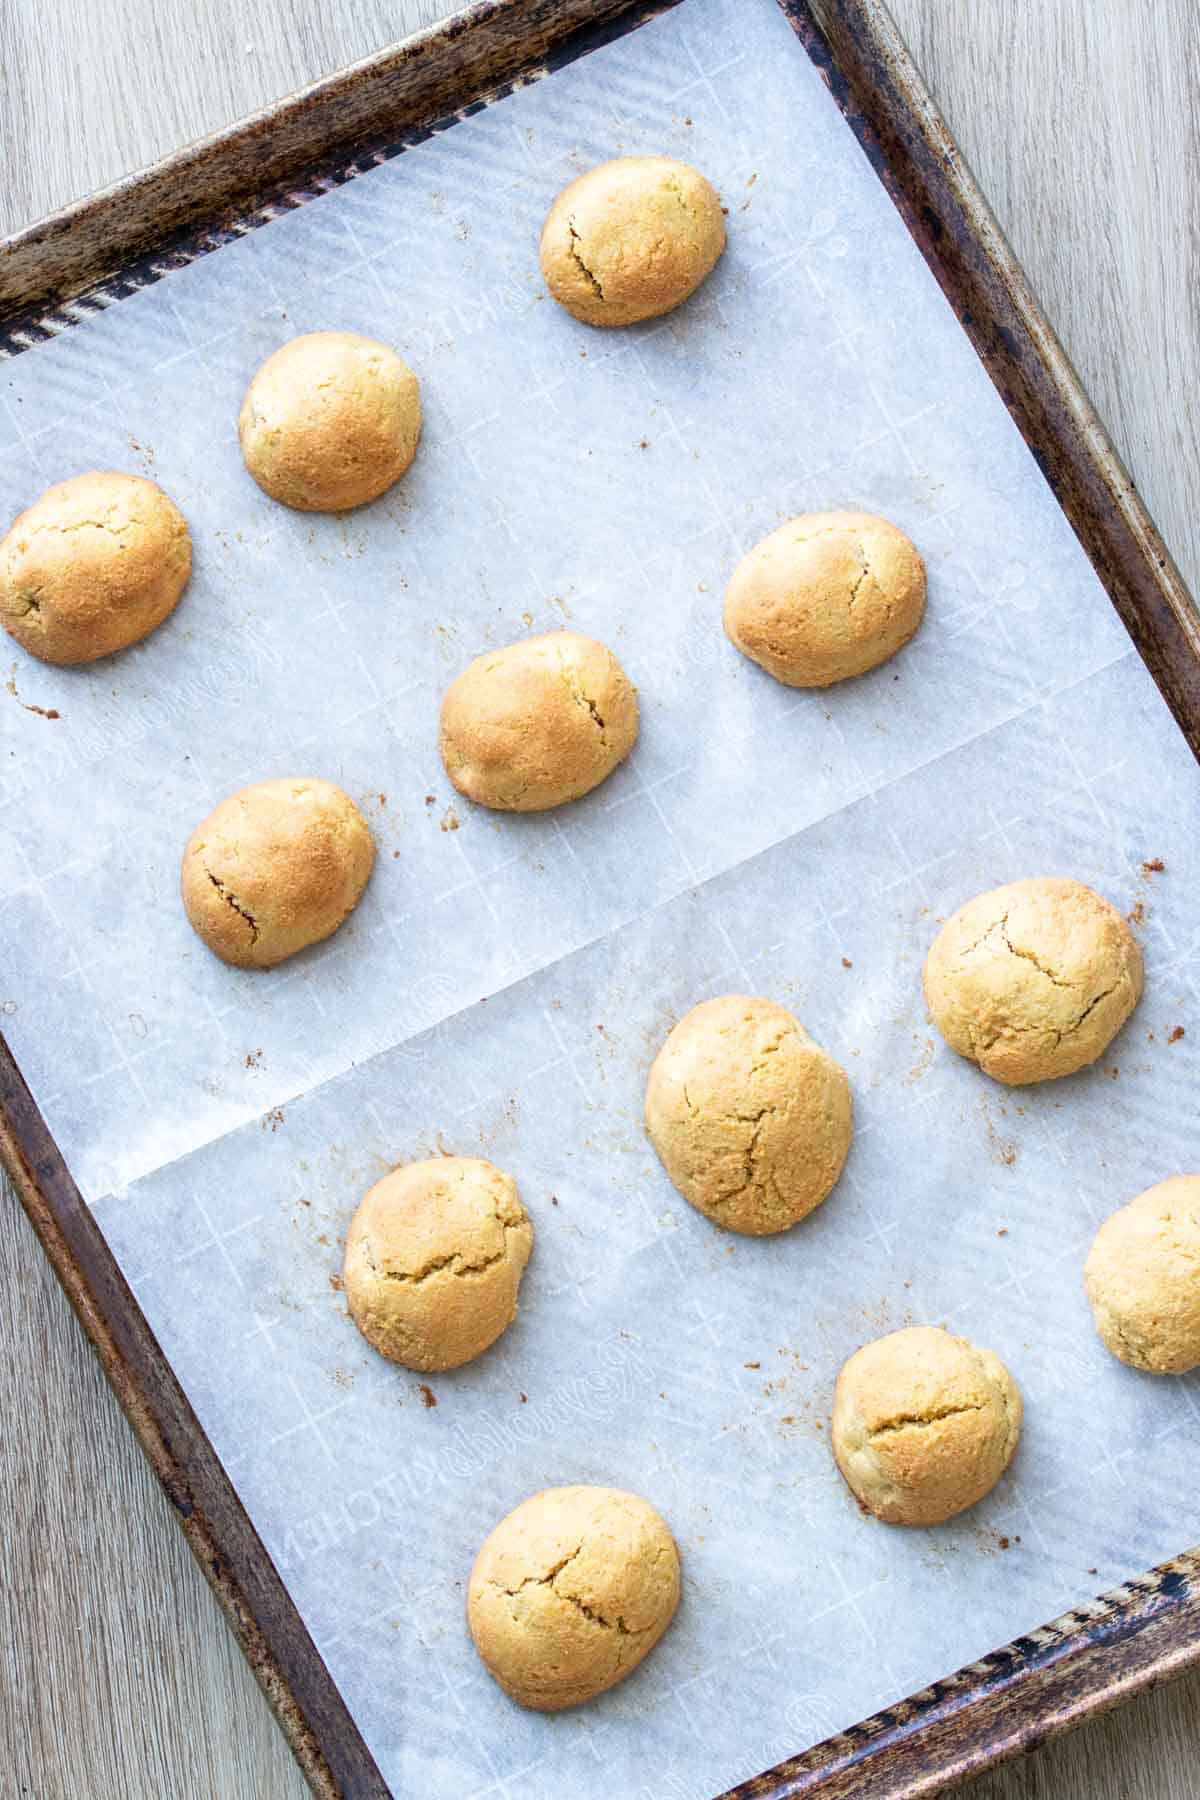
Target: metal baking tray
(89, 257)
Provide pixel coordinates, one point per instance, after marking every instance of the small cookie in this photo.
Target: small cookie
(434, 1258)
(570, 1592)
(750, 1118)
(924, 1425)
(1033, 980)
(330, 421)
(539, 723)
(93, 566)
(274, 868)
(827, 596)
(1143, 1278)
(631, 239)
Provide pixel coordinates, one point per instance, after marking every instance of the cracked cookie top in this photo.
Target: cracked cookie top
(924, 1425)
(93, 566)
(330, 421)
(570, 1592)
(1034, 979)
(274, 868)
(750, 1118)
(826, 596)
(631, 239)
(1143, 1278)
(539, 723)
(434, 1259)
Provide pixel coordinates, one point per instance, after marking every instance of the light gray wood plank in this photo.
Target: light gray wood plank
(119, 1677)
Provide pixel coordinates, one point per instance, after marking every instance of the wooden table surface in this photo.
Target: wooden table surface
(1080, 119)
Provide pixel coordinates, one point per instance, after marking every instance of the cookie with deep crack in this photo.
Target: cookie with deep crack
(330, 421)
(750, 1118)
(434, 1259)
(570, 1593)
(825, 597)
(631, 239)
(1143, 1278)
(1033, 980)
(539, 723)
(924, 1425)
(93, 566)
(274, 868)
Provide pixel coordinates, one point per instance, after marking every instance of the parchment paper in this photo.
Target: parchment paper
(506, 981)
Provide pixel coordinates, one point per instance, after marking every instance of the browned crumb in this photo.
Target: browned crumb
(756, 1365)
(1003, 1543)
(431, 799)
(1003, 1231)
(450, 820)
(428, 1397)
(522, 1398)
(273, 1120)
(1174, 1036)
(254, 1059)
(337, 1284)
(1137, 914)
(1155, 866)
(846, 963)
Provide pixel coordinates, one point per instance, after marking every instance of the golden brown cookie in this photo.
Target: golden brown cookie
(434, 1259)
(274, 868)
(330, 421)
(827, 596)
(631, 239)
(924, 1425)
(1143, 1278)
(539, 723)
(1033, 980)
(92, 567)
(570, 1592)
(750, 1118)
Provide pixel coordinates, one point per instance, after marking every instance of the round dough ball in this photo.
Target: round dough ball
(1143, 1278)
(924, 1425)
(330, 421)
(93, 566)
(631, 239)
(750, 1118)
(570, 1592)
(434, 1258)
(274, 868)
(538, 724)
(827, 596)
(1033, 980)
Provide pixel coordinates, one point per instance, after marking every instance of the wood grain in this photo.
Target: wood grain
(1079, 120)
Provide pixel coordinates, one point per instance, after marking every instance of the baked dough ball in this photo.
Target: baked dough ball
(274, 868)
(434, 1258)
(1033, 980)
(1143, 1278)
(750, 1118)
(827, 596)
(924, 1425)
(538, 724)
(92, 566)
(631, 239)
(330, 421)
(570, 1592)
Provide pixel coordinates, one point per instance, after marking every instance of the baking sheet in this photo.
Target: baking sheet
(506, 981)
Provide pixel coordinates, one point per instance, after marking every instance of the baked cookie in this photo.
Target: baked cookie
(1033, 980)
(92, 566)
(631, 239)
(274, 868)
(1143, 1278)
(434, 1258)
(570, 1592)
(750, 1118)
(827, 596)
(330, 421)
(538, 724)
(924, 1425)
